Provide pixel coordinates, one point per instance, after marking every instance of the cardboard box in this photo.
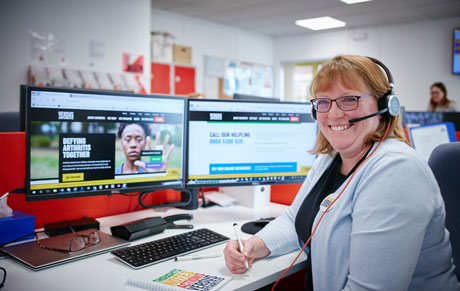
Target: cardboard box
(182, 54)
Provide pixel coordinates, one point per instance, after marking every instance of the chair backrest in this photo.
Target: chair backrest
(445, 164)
(9, 122)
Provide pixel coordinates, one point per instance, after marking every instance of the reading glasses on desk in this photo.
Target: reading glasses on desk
(76, 243)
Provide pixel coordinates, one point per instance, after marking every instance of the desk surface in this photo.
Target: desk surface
(104, 272)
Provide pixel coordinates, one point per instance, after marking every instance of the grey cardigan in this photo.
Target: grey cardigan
(385, 232)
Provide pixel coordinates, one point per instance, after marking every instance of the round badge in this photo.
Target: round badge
(327, 201)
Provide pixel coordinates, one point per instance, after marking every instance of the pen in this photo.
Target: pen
(5, 195)
(195, 257)
(240, 242)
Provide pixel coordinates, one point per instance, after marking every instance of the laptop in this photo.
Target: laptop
(31, 255)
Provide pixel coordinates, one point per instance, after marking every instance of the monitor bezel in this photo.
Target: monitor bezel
(134, 189)
(253, 183)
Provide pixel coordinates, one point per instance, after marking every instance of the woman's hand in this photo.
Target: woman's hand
(254, 248)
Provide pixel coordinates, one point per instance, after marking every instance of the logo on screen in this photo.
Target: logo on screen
(215, 116)
(65, 115)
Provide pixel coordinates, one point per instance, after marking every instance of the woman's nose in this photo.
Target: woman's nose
(335, 111)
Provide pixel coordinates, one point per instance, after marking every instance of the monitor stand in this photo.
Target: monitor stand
(250, 196)
(192, 195)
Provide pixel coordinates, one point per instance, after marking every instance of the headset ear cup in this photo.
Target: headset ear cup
(313, 112)
(391, 103)
(383, 104)
(394, 105)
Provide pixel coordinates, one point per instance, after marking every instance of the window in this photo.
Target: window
(297, 80)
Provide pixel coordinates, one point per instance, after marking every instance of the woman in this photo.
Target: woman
(134, 138)
(386, 229)
(439, 101)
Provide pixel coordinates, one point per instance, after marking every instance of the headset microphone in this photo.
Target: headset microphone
(367, 116)
(393, 107)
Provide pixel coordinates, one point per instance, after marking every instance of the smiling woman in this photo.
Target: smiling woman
(378, 228)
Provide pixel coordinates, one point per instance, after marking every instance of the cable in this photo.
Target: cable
(141, 202)
(15, 191)
(16, 239)
(19, 191)
(333, 202)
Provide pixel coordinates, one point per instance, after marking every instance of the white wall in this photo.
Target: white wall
(417, 54)
(213, 39)
(123, 26)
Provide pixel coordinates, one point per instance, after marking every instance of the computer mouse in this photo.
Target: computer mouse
(253, 227)
(263, 221)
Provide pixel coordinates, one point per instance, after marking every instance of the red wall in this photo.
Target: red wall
(12, 174)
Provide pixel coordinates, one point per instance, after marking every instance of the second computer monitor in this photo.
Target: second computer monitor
(249, 142)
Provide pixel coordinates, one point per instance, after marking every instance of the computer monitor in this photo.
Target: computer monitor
(417, 118)
(238, 96)
(453, 117)
(88, 142)
(244, 143)
(456, 52)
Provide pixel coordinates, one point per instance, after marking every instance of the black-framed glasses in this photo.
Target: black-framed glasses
(76, 243)
(345, 103)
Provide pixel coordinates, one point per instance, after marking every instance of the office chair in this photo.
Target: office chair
(9, 122)
(445, 164)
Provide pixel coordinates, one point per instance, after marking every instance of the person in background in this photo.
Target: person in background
(196, 95)
(439, 101)
(385, 229)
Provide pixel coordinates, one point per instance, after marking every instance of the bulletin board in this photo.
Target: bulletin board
(224, 77)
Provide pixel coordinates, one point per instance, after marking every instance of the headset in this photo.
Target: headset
(389, 105)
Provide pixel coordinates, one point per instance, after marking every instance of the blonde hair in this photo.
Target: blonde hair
(354, 72)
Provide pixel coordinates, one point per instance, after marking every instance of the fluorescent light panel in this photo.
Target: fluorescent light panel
(319, 23)
(354, 1)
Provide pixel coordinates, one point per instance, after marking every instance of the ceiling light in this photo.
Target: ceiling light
(354, 1)
(319, 23)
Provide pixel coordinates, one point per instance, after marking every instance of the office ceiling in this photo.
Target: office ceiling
(277, 17)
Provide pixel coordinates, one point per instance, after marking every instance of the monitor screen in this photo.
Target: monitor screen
(238, 96)
(453, 117)
(83, 142)
(249, 142)
(416, 118)
(456, 52)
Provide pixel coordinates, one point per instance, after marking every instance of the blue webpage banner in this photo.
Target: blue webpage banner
(249, 168)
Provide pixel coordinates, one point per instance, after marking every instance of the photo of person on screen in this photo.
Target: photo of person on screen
(135, 138)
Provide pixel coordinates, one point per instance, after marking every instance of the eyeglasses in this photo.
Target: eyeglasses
(345, 103)
(77, 243)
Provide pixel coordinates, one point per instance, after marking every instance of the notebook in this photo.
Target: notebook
(36, 258)
(178, 279)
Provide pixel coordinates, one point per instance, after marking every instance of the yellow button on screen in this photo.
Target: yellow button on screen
(73, 177)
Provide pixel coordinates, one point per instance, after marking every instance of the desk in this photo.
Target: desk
(104, 272)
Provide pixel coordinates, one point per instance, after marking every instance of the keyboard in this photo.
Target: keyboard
(146, 254)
